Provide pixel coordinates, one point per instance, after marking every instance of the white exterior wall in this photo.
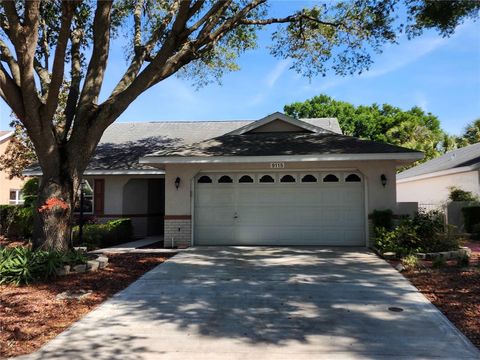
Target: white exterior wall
(435, 190)
(178, 204)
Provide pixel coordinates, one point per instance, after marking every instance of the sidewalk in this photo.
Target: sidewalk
(134, 247)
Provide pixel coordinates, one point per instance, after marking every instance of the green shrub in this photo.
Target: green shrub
(471, 215)
(21, 265)
(439, 262)
(104, 235)
(30, 187)
(410, 262)
(16, 221)
(425, 232)
(382, 219)
(457, 194)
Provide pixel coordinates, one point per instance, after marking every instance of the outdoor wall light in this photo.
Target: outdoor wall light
(177, 182)
(383, 178)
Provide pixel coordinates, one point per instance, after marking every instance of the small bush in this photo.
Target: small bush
(463, 261)
(30, 187)
(104, 235)
(439, 262)
(471, 215)
(457, 194)
(425, 232)
(382, 219)
(410, 262)
(16, 221)
(20, 265)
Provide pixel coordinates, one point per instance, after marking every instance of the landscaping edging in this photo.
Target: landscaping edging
(447, 255)
(92, 265)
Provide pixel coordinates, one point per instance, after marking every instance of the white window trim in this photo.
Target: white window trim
(18, 200)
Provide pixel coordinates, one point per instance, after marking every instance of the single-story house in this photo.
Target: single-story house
(429, 183)
(10, 189)
(274, 181)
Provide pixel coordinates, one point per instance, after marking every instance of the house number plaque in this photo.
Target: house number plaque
(277, 165)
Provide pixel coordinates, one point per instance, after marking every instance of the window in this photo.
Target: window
(87, 197)
(330, 178)
(225, 179)
(287, 179)
(266, 179)
(245, 179)
(309, 179)
(16, 197)
(204, 180)
(353, 178)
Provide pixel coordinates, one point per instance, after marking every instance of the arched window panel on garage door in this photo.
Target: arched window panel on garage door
(330, 178)
(225, 179)
(204, 179)
(309, 178)
(353, 178)
(245, 179)
(287, 179)
(266, 179)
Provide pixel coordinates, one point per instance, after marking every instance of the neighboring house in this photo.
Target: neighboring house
(429, 183)
(275, 181)
(10, 189)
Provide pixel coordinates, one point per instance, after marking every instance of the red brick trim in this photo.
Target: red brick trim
(177, 217)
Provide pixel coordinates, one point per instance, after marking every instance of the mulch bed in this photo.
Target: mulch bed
(30, 315)
(455, 291)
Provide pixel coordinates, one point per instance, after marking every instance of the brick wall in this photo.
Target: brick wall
(178, 230)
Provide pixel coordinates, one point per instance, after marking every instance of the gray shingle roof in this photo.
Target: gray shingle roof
(123, 144)
(271, 144)
(466, 156)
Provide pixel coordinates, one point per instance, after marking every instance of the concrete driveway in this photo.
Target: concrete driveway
(265, 303)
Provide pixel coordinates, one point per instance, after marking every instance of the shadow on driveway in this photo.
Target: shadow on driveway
(265, 303)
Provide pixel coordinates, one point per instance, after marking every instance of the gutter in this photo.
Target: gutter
(458, 170)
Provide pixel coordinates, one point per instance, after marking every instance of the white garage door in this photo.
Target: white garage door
(280, 209)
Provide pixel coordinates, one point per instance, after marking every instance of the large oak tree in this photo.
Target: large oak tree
(47, 44)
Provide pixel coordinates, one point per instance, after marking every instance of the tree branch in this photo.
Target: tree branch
(98, 60)
(137, 21)
(68, 9)
(76, 75)
(7, 56)
(43, 75)
(10, 92)
(14, 25)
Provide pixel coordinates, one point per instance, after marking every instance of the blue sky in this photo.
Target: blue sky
(441, 75)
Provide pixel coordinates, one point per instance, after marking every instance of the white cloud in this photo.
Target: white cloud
(275, 74)
(269, 81)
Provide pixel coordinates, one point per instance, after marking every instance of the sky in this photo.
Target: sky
(440, 75)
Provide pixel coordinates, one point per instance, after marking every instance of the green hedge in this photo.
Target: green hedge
(16, 221)
(111, 233)
(471, 214)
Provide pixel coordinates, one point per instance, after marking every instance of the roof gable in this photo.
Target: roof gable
(277, 123)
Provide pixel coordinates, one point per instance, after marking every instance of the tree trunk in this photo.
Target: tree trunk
(54, 210)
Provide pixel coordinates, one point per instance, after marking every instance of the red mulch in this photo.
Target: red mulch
(30, 315)
(455, 291)
(12, 243)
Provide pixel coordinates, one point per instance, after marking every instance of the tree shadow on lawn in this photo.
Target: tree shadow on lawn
(231, 300)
